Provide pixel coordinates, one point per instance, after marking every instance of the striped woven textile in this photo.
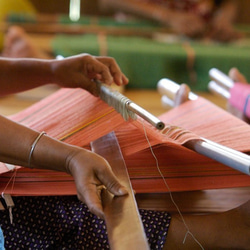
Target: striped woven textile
(76, 117)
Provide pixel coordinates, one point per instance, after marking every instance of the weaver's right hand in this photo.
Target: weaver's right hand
(79, 72)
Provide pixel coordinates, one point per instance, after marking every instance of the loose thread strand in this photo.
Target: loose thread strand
(14, 180)
(12, 177)
(170, 193)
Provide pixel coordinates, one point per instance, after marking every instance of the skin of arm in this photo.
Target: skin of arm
(182, 23)
(17, 75)
(221, 26)
(88, 169)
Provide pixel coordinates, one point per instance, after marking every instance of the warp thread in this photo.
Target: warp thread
(169, 190)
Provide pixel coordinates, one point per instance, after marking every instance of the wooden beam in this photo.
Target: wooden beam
(124, 226)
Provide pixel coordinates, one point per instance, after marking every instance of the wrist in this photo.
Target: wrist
(51, 154)
(75, 159)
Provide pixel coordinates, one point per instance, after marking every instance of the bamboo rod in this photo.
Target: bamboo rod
(124, 225)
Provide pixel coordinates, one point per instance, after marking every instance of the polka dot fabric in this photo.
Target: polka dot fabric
(60, 222)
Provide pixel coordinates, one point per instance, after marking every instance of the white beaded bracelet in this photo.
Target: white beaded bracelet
(33, 146)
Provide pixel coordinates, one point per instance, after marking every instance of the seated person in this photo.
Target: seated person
(18, 44)
(230, 229)
(21, 7)
(195, 19)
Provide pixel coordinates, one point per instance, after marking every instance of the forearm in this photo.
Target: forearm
(16, 141)
(228, 10)
(22, 74)
(146, 10)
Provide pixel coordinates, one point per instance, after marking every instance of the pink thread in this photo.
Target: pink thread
(240, 97)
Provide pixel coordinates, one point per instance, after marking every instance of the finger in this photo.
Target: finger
(236, 75)
(125, 80)
(102, 73)
(91, 196)
(97, 69)
(118, 77)
(111, 182)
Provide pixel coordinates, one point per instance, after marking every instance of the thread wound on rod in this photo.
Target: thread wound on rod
(126, 107)
(117, 101)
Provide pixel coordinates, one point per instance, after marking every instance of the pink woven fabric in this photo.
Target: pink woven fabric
(240, 97)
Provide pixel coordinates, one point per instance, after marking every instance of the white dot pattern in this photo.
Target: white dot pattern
(63, 222)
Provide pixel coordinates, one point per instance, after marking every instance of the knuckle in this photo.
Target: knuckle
(88, 57)
(112, 185)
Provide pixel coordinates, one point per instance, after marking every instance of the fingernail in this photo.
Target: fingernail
(126, 80)
(120, 81)
(122, 191)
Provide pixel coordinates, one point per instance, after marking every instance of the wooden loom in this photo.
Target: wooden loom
(68, 106)
(120, 211)
(86, 122)
(51, 24)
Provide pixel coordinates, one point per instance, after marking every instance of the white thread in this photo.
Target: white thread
(10, 166)
(12, 177)
(170, 193)
(116, 100)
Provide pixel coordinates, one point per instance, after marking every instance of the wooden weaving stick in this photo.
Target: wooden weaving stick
(124, 226)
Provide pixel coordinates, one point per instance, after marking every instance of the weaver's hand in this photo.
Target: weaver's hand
(92, 173)
(237, 76)
(81, 70)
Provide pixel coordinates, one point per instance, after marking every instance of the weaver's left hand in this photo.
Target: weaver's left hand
(80, 71)
(92, 172)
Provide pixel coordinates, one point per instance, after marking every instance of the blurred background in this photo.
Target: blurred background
(93, 8)
(142, 35)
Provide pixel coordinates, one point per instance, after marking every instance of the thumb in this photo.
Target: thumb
(118, 190)
(112, 184)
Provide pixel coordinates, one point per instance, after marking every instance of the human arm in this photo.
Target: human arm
(181, 22)
(221, 27)
(89, 170)
(18, 75)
